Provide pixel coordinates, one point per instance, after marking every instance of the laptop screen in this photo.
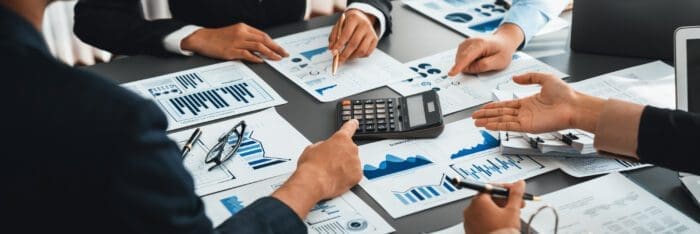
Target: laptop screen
(693, 46)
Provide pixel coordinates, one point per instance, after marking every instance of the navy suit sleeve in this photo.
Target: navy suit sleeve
(669, 138)
(119, 26)
(382, 5)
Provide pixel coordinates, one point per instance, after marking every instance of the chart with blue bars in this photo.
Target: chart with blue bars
(232, 204)
(496, 167)
(425, 192)
(189, 81)
(214, 101)
(488, 142)
(253, 151)
(323, 212)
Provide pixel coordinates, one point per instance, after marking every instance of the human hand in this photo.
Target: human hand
(556, 107)
(238, 41)
(486, 214)
(325, 170)
(357, 37)
(477, 55)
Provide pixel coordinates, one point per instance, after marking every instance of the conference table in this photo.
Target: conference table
(415, 36)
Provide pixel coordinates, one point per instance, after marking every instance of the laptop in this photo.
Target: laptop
(687, 61)
(631, 28)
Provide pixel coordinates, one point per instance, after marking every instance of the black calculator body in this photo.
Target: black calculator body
(415, 116)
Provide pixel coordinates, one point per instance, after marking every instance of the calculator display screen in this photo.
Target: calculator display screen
(416, 112)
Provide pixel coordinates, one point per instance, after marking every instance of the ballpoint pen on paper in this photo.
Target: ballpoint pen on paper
(190, 143)
(336, 57)
(490, 189)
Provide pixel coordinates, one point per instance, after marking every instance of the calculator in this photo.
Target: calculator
(415, 116)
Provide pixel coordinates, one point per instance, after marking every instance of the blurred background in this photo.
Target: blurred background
(64, 45)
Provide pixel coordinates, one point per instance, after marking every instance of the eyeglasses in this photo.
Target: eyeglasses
(216, 154)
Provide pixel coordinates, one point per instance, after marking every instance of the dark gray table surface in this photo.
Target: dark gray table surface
(415, 36)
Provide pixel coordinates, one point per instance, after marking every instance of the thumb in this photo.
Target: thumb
(348, 129)
(515, 195)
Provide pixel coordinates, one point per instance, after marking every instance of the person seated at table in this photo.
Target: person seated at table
(522, 21)
(632, 131)
(87, 156)
(221, 29)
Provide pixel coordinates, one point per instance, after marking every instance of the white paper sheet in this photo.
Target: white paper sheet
(465, 91)
(310, 66)
(407, 176)
(271, 147)
(609, 204)
(472, 18)
(344, 214)
(207, 93)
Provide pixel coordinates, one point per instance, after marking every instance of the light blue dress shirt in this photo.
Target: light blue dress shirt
(532, 15)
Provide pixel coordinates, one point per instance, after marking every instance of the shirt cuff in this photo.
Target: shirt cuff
(369, 9)
(173, 41)
(618, 128)
(530, 19)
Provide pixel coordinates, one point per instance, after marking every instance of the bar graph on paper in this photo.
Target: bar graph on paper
(207, 93)
(425, 192)
(253, 151)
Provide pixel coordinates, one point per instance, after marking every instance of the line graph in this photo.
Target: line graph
(496, 167)
(489, 142)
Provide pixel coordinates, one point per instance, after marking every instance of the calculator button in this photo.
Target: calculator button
(358, 117)
(381, 116)
(359, 127)
(369, 111)
(369, 127)
(369, 101)
(357, 112)
(392, 121)
(391, 116)
(369, 106)
(381, 127)
(346, 102)
(391, 110)
(369, 121)
(346, 112)
(391, 100)
(392, 126)
(379, 101)
(346, 117)
(381, 111)
(390, 105)
(381, 121)
(369, 116)
(357, 107)
(348, 107)
(381, 106)
(357, 102)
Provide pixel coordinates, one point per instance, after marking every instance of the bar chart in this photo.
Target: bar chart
(253, 152)
(425, 192)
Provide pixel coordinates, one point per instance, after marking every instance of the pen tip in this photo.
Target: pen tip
(536, 198)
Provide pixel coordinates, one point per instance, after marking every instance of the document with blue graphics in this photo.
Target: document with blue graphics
(408, 176)
(270, 147)
(207, 93)
(344, 214)
(310, 66)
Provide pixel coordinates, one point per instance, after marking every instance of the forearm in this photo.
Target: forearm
(119, 27)
(511, 35)
(300, 192)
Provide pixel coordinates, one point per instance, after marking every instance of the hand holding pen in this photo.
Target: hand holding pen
(493, 190)
(353, 36)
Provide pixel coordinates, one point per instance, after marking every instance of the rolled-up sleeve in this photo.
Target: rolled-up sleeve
(618, 127)
(532, 15)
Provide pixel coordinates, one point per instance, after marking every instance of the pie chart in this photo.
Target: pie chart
(459, 17)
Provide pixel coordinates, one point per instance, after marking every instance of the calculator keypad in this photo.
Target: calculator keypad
(374, 115)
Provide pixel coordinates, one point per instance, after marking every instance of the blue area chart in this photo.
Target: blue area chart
(497, 166)
(459, 17)
(215, 101)
(488, 143)
(232, 204)
(323, 90)
(426, 192)
(394, 164)
(253, 152)
(313, 53)
(487, 26)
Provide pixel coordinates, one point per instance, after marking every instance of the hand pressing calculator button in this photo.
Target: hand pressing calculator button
(416, 116)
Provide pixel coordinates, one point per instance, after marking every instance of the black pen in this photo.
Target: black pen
(494, 190)
(190, 143)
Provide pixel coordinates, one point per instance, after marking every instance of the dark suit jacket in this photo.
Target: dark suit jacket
(670, 138)
(82, 155)
(118, 25)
